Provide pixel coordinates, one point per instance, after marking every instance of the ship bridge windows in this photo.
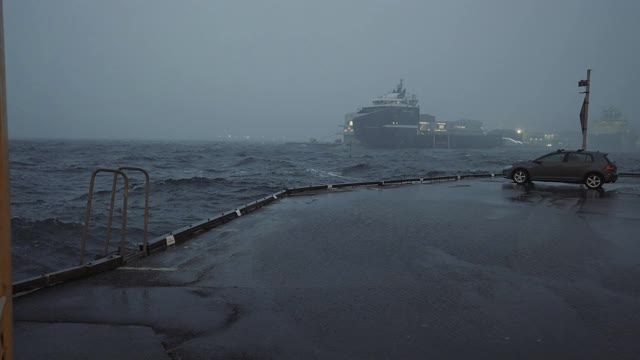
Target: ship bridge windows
(424, 127)
(390, 102)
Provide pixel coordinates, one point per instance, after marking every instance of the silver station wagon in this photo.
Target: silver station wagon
(591, 168)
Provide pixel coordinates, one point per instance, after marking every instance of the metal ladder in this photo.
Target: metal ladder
(127, 254)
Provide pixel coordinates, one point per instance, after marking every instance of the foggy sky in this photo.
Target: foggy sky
(202, 69)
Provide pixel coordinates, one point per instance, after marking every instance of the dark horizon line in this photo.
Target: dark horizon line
(158, 139)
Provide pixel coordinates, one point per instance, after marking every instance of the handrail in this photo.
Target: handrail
(87, 217)
(146, 200)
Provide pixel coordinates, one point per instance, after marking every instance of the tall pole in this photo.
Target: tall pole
(6, 321)
(586, 110)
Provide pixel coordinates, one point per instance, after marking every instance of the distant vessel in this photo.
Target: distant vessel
(315, 142)
(458, 134)
(348, 136)
(612, 132)
(394, 121)
(391, 120)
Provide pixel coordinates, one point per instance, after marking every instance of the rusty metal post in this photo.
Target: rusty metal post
(87, 216)
(110, 221)
(6, 313)
(124, 213)
(146, 202)
(586, 110)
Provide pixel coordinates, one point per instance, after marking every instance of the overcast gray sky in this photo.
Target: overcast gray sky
(200, 69)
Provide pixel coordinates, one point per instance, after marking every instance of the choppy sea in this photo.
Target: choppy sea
(191, 181)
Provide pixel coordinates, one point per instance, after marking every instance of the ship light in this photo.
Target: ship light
(519, 131)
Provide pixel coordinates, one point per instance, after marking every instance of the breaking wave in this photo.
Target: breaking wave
(196, 180)
(266, 162)
(358, 169)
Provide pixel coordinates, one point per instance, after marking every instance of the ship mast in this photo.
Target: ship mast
(400, 89)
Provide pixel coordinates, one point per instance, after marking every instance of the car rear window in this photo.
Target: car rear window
(605, 156)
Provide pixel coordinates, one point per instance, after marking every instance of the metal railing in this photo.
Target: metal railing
(122, 250)
(146, 201)
(87, 217)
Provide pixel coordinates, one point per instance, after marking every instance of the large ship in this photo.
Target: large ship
(391, 120)
(394, 121)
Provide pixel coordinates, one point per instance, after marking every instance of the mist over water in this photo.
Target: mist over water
(208, 69)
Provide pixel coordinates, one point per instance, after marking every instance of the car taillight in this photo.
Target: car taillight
(610, 167)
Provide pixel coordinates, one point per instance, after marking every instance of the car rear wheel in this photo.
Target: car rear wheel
(593, 181)
(520, 176)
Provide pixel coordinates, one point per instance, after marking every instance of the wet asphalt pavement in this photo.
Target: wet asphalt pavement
(480, 269)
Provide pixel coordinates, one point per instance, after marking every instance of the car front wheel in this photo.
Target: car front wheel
(520, 177)
(593, 181)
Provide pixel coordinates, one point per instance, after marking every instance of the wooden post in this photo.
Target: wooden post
(586, 110)
(6, 321)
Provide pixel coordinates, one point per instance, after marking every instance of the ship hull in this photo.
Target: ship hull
(390, 137)
(398, 128)
(388, 127)
(459, 141)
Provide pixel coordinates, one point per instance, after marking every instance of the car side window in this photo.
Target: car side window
(553, 158)
(579, 158)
